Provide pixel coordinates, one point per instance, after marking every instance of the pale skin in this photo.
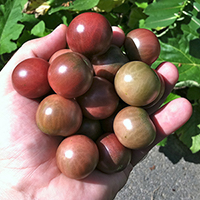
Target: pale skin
(28, 168)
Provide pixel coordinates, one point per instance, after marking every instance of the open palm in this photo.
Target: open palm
(27, 156)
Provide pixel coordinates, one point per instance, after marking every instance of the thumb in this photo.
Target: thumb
(41, 47)
(46, 46)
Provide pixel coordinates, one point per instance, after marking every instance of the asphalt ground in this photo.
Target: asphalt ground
(168, 173)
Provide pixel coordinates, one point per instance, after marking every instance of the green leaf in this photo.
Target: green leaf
(78, 5)
(195, 143)
(108, 5)
(189, 133)
(180, 45)
(24, 37)
(193, 93)
(142, 3)
(123, 9)
(189, 67)
(192, 15)
(2, 2)
(163, 142)
(198, 1)
(29, 21)
(10, 29)
(163, 13)
(135, 16)
(182, 49)
(39, 30)
(171, 97)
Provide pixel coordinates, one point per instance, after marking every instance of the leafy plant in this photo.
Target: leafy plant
(176, 23)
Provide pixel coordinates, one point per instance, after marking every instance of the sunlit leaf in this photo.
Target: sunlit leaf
(163, 13)
(39, 29)
(108, 5)
(195, 143)
(78, 5)
(189, 133)
(10, 29)
(182, 49)
(163, 142)
(136, 15)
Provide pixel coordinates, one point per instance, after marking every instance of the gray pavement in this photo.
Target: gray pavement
(168, 173)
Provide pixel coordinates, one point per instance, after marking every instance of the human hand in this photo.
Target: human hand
(27, 157)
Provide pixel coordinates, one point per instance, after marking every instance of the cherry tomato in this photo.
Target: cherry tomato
(143, 45)
(89, 33)
(70, 75)
(29, 78)
(77, 156)
(58, 116)
(100, 101)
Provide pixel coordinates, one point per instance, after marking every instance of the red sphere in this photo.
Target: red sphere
(58, 53)
(89, 34)
(58, 116)
(29, 78)
(100, 101)
(134, 128)
(107, 64)
(142, 45)
(70, 75)
(90, 128)
(77, 156)
(113, 156)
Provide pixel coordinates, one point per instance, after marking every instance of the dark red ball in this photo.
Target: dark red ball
(29, 78)
(70, 75)
(142, 45)
(89, 34)
(113, 156)
(100, 101)
(77, 156)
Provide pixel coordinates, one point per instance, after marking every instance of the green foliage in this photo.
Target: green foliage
(136, 15)
(180, 45)
(39, 29)
(189, 133)
(78, 5)
(108, 5)
(176, 23)
(10, 29)
(193, 93)
(163, 13)
(178, 48)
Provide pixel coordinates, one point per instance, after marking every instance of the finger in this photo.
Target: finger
(170, 74)
(167, 120)
(42, 47)
(46, 46)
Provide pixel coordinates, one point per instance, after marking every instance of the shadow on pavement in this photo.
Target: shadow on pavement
(175, 150)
